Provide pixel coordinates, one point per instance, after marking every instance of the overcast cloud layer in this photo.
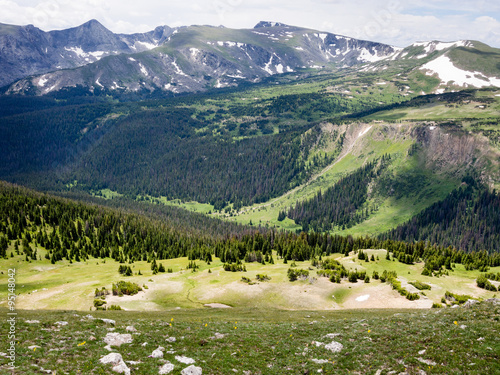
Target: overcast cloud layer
(396, 22)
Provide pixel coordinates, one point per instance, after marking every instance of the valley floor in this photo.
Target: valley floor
(42, 285)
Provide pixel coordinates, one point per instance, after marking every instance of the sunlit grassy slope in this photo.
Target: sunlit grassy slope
(42, 285)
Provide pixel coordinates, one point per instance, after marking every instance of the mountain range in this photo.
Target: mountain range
(197, 58)
(276, 125)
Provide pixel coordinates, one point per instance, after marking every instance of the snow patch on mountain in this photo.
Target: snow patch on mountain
(143, 70)
(366, 55)
(178, 70)
(42, 81)
(147, 45)
(447, 72)
(430, 47)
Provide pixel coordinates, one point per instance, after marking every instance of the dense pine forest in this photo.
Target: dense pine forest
(467, 219)
(77, 232)
(168, 158)
(339, 204)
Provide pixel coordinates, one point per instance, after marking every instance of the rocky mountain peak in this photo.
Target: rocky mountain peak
(268, 24)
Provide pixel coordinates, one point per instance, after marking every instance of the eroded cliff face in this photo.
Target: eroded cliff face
(439, 148)
(458, 152)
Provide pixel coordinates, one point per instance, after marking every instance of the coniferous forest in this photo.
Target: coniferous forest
(467, 219)
(77, 232)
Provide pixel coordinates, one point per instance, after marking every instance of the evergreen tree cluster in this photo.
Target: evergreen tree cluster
(468, 218)
(339, 204)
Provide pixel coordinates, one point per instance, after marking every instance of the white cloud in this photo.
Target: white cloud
(395, 22)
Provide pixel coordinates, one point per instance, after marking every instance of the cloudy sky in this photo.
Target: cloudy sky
(397, 22)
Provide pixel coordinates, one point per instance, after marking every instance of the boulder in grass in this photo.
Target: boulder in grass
(157, 354)
(116, 360)
(334, 346)
(167, 368)
(192, 370)
(116, 339)
(184, 359)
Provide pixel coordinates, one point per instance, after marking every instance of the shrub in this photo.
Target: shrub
(245, 279)
(235, 267)
(456, 298)
(294, 274)
(125, 287)
(367, 279)
(98, 303)
(102, 292)
(114, 307)
(484, 283)
(125, 270)
(353, 277)
(419, 285)
(260, 277)
(436, 306)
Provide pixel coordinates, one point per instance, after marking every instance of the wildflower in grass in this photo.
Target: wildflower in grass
(455, 322)
(369, 330)
(206, 324)
(83, 343)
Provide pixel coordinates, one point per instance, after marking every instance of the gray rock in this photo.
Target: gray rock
(428, 362)
(157, 354)
(495, 301)
(131, 329)
(334, 346)
(167, 368)
(109, 321)
(117, 361)
(62, 323)
(184, 359)
(192, 370)
(332, 335)
(116, 339)
(319, 361)
(470, 302)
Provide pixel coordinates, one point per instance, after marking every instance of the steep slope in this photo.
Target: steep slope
(27, 50)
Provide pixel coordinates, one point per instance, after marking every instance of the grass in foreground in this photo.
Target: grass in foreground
(438, 341)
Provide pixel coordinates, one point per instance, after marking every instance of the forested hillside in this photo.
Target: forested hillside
(77, 232)
(469, 218)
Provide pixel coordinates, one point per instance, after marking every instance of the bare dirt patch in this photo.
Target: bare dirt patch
(380, 296)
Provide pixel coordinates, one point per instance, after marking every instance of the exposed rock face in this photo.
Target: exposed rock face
(27, 50)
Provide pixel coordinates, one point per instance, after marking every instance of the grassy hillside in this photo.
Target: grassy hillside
(458, 341)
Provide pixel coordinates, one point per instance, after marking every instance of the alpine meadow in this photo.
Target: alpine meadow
(271, 200)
